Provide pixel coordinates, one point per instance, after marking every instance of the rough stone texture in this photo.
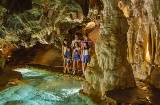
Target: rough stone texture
(39, 23)
(143, 38)
(46, 23)
(109, 68)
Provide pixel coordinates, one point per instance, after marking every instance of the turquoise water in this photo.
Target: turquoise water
(39, 87)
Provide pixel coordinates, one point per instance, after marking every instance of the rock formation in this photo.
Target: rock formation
(46, 22)
(110, 68)
(143, 39)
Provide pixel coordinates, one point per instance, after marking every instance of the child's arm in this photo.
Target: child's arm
(72, 54)
(89, 50)
(65, 55)
(72, 45)
(81, 52)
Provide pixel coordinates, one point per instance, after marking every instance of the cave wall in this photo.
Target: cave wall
(46, 22)
(109, 68)
(126, 46)
(46, 19)
(143, 38)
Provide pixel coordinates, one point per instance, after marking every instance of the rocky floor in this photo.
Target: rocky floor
(8, 78)
(143, 94)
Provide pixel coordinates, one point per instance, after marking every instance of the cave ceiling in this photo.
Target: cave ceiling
(17, 6)
(24, 22)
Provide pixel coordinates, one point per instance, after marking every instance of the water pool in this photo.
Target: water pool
(39, 87)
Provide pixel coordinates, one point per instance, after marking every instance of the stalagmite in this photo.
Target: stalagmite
(113, 71)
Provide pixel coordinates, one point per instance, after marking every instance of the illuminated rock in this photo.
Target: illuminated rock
(110, 69)
(143, 38)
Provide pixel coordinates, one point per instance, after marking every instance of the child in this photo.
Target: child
(68, 57)
(64, 49)
(76, 57)
(85, 56)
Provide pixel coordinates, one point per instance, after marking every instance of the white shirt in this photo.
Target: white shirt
(77, 49)
(74, 41)
(86, 52)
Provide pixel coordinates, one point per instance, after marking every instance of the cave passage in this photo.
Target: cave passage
(39, 87)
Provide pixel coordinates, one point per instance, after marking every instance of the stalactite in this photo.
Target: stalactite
(144, 20)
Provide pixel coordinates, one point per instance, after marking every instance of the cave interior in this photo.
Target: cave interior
(125, 66)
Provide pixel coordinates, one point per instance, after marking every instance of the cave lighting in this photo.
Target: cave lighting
(147, 54)
(91, 25)
(125, 12)
(124, 8)
(23, 70)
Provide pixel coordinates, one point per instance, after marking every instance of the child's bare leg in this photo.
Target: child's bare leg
(83, 67)
(77, 65)
(64, 65)
(68, 68)
(74, 65)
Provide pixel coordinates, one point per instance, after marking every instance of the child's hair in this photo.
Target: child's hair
(75, 44)
(76, 34)
(86, 45)
(69, 48)
(64, 43)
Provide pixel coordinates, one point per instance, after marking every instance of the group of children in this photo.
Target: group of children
(78, 53)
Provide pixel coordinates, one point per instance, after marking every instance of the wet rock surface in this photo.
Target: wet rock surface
(8, 78)
(141, 95)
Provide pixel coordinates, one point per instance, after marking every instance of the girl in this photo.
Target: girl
(68, 57)
(85, 56)
(64, 49)
(76, 57)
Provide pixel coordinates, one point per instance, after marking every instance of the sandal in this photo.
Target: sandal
(74, 72)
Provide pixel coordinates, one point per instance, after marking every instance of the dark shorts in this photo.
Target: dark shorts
(68, 61)
(86, 59)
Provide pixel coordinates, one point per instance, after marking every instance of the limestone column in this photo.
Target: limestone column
(110, 69)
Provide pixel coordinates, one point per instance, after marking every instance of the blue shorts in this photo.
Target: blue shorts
(86, 59)
(76, 57)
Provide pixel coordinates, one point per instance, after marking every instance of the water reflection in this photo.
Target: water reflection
(40, 87)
